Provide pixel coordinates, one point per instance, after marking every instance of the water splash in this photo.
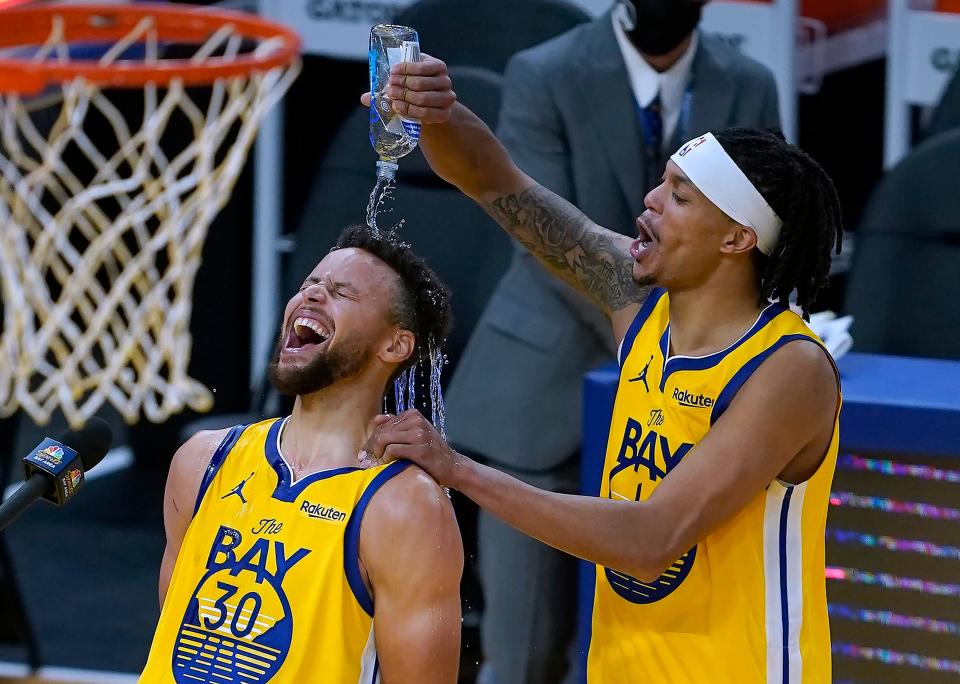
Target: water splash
(412, 387)
(405, 385)
(400, 392)
(405, 388)
(375, 203)
(381, 194)
(437, 412)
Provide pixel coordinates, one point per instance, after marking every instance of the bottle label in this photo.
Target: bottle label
(409, 51)
(394, 56)
(411, 127)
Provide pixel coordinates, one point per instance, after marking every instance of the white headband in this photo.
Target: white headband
(717, 176)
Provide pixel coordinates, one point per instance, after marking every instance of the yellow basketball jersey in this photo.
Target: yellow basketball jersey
(267, 585)
(748, 602)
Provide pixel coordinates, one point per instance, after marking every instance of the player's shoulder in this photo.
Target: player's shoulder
(192, 458)
(802, 366)
(200, 446)
(411, 523)
(409, 500)
(410, 540)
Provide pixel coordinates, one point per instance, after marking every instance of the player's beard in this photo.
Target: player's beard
(646, 280)
(336, 363)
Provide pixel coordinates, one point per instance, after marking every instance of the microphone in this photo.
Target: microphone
(54, 469)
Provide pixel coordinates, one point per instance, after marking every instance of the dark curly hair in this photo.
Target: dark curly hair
(805, 199)
(423, 304)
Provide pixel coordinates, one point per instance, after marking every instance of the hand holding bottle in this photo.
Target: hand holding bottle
(459, 147)
(420, 90)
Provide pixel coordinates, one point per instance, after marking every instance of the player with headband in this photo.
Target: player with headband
(708, 532)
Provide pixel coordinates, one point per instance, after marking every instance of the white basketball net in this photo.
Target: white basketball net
(97, 268)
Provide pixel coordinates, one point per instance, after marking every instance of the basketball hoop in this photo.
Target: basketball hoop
(103, 214)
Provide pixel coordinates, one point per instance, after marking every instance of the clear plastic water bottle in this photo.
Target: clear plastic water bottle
(391, 135)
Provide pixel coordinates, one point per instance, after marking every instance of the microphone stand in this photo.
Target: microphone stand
(14, 619)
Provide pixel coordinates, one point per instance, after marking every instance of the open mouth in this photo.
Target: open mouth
(644, 231)
(644, 240)
(306, 334)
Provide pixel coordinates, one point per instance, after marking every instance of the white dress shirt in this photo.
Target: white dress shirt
(647, 82)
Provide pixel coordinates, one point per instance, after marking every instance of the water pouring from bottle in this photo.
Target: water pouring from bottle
(382, 191)
(393, 137)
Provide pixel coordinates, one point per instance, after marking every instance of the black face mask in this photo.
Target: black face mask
(661, 25)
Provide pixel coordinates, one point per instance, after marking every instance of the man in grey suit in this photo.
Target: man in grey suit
(592, 115)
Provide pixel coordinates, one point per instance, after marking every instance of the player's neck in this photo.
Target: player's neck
(327, 428)
(710, 318)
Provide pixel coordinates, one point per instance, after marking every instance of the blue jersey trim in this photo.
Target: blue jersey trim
(376, 670)
(351, 536)
(642, 315)
(665, 349)
(219, 456)
(287, 490)
(784, 606)
(684, 363)
(741, 376)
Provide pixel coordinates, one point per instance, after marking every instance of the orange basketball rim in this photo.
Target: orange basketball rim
(103, 24)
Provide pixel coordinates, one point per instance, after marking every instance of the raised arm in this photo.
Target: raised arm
(180, 496)
(463, 151)
(594, 260)
(411, 551)
(779, 425)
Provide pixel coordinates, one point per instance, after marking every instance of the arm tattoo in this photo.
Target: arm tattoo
(592, 259)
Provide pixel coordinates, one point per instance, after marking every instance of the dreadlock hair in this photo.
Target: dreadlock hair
(423, 304)
(805, 199)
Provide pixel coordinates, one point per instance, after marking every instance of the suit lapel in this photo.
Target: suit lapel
(610, 110)
(609, 107)
(713, 93)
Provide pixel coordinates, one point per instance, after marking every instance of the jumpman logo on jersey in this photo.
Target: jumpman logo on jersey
(642, 377)
(238, 490)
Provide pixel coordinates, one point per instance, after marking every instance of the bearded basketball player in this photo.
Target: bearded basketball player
(285, 562)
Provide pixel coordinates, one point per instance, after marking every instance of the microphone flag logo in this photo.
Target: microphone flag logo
(59, 461)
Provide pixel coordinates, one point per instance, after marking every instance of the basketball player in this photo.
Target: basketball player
(287, 563)
(708, 533)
